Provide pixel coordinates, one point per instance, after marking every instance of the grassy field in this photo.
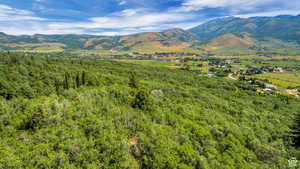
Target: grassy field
(293, 64)
(242, 57)
(152, 62)
(41, 50)
(285, 64)
(281, 80)
(169, 64)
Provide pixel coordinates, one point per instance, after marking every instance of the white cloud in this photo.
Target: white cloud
(272, 13)
(37, 29)
(129, 12)
(184, 25)
(119, 33)
(122, 2)
(129, 21)
(130, 18)
(7, 10)
(19, 22)
(121, 23)
(200, 4)
(236, 5)
(11, 14)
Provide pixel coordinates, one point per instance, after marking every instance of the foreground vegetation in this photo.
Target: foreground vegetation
(89, 113)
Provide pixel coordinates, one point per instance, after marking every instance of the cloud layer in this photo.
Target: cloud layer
(10, 14)
(235, 6)
(129, 16)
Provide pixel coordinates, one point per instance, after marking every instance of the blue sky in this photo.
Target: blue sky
(120, 17)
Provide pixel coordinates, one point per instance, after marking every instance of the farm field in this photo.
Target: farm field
(260, 57)
(152, 62)
(283, 80)
(289, 78)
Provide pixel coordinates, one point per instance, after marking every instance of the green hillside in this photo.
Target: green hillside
(230, 36)
(285, 28)
(170, 40)
(269, 35)
(89, 113)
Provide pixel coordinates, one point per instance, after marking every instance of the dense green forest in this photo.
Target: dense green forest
(91, 113)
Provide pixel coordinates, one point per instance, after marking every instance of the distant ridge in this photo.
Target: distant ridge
(280, 33)
(283, 27)
(169, 40)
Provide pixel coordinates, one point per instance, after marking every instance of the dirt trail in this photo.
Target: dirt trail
(293, 92)
(230, 76)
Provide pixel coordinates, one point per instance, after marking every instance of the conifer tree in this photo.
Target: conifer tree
(57, 87)
(84, 78)
(133, 83)
(297, 131)
(66, 81)
(141, 99)
(77, 80)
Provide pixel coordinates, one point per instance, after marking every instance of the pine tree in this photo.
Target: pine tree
(297, 131)
(77, 80)
(84, 78)
(141, 99)
(133, 83)
(66, 81)
(57, 87)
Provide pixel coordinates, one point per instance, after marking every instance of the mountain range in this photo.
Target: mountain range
(230, 35)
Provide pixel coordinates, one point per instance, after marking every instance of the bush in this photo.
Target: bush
(141, 99)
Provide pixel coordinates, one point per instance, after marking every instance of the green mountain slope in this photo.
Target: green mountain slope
(170, 40)
(230, 40)
(225, 36)
(286, 28)
(269, 35)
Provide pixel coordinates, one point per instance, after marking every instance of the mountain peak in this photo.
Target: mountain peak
(285, 16)
(286, 29)
(175, 30)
